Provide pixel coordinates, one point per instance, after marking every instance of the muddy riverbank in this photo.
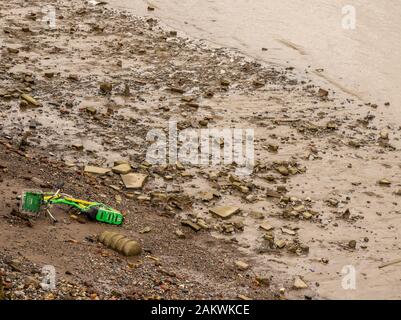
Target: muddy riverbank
(360, 62)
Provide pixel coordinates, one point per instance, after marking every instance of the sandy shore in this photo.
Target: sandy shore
(325, 184)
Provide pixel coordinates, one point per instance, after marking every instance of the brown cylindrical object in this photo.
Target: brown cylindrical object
(131, 248)
(120, 243)
(103, 236)
(115, 240)
(109, 238)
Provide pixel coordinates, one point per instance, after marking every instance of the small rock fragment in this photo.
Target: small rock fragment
(32, 101)
(225, 212)
(300, 284)
(266, 226)
(322, 93)
(145, 230)
(352, 244)
(385, 182)
(124, 168)
(288, 231)
(106, 87)
(179, 234)
(191, 224)
(241, 265)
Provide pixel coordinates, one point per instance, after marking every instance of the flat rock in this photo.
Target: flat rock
(225, 212)
(288, 231)
(241, 265)
(191, 224)
(134, 180)
(266, 226)
(96, 170)
(280, 243)
(124, 168)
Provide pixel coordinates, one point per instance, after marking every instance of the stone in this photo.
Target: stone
(331, 125)
(130, 196)
(214, 175)
(106, 87)
(49, 74)
(191, 224)
(31, 281)
(32, 101)
(273, 147)
(322, 93)
(266, 226)
(384, 135)
(91, 110)
(202, 224)
(292, 170)
(225, 82)
(124, 168)
(78, 146)
(283, 170)
(279, 243)
(225, 212)
(179, 234)
(13, 50)
(73, 77)
(243, 189)
(288, 231)
(385, 182)
(118, 162)
(134, 180)
(96, 170)
(145, 230)
(177, 90)
(300, 284)
(241, 265)
(352, 244)
(143, 198)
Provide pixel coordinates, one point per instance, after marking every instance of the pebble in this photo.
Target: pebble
(299, 284)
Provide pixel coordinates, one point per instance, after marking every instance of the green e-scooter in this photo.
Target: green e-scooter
(33, 202)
